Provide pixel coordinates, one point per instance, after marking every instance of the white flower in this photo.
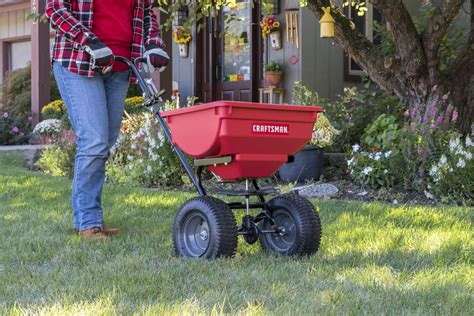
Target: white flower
(351, 161)
(385, 171)
(443, 160)
(388, 153)
(461, 163)
(355, 148)
(377, 156)
(48, 127)
(451, 170)
(468, 155)
(453, 144)
(134, 146)
(434, 170)
(130, 167)
(469, 142)
(130, 157)
(367, 170)
(429, 195)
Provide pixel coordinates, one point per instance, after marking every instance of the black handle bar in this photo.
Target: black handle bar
(134, 67)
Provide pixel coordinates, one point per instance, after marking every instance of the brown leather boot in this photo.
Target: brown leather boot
(96, 233)
(111, 231)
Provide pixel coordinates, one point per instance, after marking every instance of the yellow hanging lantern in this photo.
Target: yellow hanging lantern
(327, 24)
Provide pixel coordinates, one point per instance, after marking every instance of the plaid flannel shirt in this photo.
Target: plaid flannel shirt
(73, 19)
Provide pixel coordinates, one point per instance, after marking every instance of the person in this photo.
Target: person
(89, 34)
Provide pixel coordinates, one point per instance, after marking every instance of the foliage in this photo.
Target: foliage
(302, 95)
(142, 155)
(451, 177)
(376, 169)
(354, 110)
(134, 105)
(16, 91)
(273, 66)
(14, 129)
(55, 110)
(58, 158)
(382, 134)
(181, 35)
(269, 24)
(323, 132)
(376, 258)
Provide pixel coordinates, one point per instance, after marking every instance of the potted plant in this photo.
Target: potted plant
(271, 26)
(273, 73)
(182, 37)
(308, 163)
(48, 129)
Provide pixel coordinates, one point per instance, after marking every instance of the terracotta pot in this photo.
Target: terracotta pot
(272, 78)
(45, 139)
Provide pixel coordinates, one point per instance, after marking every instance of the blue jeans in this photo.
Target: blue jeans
(95, 107)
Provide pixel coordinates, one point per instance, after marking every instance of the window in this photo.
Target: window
(365, 24)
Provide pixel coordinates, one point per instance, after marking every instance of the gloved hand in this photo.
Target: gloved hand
(102, 55)
(156, 57)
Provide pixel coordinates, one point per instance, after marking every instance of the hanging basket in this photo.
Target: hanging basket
(183, 50)
(275, 39)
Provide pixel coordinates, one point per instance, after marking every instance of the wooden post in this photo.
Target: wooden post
(40, 62)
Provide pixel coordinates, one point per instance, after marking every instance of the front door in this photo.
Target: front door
(230, 54)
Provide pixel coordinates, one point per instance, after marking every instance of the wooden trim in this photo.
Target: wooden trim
(347, 75)
(18, 39)
(14, 7)
(40, 65)
(4, 59)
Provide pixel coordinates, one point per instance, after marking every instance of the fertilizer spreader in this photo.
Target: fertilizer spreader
(238, 141)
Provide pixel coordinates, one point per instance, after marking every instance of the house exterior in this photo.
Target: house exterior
(220, 65)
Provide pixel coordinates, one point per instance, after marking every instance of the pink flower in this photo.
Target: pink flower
(15, 130)
(407, 113)
(445, 97)
(22, 134)
(455, 116)
(30, 118)
(5, 115)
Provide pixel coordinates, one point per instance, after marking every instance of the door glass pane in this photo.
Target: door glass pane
(236, 40)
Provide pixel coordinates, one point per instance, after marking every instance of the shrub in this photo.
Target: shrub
(134, 105)
(142, 156)
(14, 129)
(451, 177)
(377, 168)
(50, 127)
(16, 91)
(382, 134)
(352, 112)
(55, 110)
(58, 159)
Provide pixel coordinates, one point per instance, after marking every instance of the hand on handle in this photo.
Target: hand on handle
(102, 56)
(156, 58)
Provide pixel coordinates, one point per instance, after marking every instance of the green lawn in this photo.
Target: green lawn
(375, 258)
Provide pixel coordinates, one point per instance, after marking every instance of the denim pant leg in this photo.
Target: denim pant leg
(87, 108)
(116, 87)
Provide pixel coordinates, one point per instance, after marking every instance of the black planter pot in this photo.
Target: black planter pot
(307, 166)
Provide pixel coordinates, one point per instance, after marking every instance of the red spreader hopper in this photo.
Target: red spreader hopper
(253, 139)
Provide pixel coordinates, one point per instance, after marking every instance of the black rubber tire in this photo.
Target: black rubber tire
(220, 225)
(305, 226)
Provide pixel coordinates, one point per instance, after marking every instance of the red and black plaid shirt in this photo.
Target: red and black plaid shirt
(73, 19)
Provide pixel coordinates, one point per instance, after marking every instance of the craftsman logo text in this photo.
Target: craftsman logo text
(270, 128)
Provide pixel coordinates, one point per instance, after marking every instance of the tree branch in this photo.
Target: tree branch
(364, 52)
(435, 32)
